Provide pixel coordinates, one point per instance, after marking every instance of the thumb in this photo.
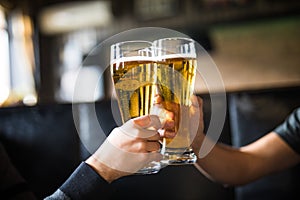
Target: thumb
(141, 127)
(148, 121)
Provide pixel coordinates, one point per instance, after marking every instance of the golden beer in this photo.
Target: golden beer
(134, 82)
(176, 77)
(177, 65)
(134, 75)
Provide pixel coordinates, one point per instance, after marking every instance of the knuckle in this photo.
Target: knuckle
(157, 146)
(141, 147)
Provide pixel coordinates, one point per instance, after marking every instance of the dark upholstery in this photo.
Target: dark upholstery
(42, 144)
(252, 115)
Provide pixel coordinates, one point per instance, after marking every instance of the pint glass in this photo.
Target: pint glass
(176, 72)
(134, 76)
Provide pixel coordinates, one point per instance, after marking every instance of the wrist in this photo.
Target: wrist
(103, 170)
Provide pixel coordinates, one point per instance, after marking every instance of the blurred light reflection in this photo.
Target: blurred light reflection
(22, 58)
(4, 59)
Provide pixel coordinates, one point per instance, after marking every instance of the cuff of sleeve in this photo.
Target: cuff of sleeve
(85, 183)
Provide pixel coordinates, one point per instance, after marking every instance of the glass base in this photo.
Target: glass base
(151, 168)
(175, 158)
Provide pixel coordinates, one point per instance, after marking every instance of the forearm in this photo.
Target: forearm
(223, 163)
(237, 166)
(226, 165)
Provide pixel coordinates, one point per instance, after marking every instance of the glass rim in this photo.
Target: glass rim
(119, 45)
(174, 38)
(165, 48)
(131, 41)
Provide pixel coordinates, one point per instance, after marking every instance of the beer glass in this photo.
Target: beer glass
(176, 72)
(134, 76)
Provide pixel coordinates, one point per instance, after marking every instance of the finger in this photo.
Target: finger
(167, 134)
(155, 137)
(148, 121)
(169, 125)
(155, 122)
(200, 107)
(197, 101)
(142, 121)
(127, 161)
(158, 99)
(197, 104)
(194, 100)
(170, 115)
(152, 146)
(171, 106)
(134, 130)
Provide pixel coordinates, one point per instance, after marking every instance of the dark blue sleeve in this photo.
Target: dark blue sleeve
(84, 183)
(289, 130)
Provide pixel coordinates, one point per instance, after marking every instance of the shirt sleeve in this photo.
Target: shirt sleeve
(84, 183)
(289, 130)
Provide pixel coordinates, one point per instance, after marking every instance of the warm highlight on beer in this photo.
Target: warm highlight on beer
(135, 87)
(176, 78)
(134, 75)
(176, 72)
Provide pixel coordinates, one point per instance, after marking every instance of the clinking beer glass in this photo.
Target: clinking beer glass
(176, 72)
(134, 75)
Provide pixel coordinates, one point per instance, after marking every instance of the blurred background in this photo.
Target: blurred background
(254, 43)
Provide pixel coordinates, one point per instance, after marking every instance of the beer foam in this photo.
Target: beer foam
(175, 55)
(154, 59)
(133, 58)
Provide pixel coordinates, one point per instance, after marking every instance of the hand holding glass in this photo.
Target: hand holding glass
(134, 75)
(176, 72)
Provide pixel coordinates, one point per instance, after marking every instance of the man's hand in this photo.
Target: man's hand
(128, 148)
